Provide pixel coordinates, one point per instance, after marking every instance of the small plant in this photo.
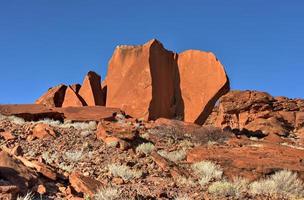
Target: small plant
(108, 193)
(182, 197)
(74, 156)
(124, 172)
(28, 196)
(207, 171)
(13, 119)
(64, 167)
(222, 188)
(48, 157)
(283, 183)
(145, 148)
(174, 156)
(185, 181)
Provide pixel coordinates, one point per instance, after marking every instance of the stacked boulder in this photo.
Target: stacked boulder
(149, 82)
(88, 94)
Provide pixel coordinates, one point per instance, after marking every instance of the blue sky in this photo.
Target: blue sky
(47, 42)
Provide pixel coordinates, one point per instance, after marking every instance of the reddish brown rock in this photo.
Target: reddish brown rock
(41, 189)
(202, 81)
(15, 172)
(72, 99)
(7, 135)
(83, 184)
(75, 87)
(8, 192)
(112, 135)
(90, 90)
(34, 112)
(42, 131)
(53, 97)
(251, 161)
(141, 80)
(258, 113)
(150, 82)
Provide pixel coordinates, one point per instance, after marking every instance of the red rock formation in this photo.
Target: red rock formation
(141, 80)
(150, 82)
(258, 112)
(72, 99)
(262, 158)
(76, 87)
(202, 81)
(34, 112)
(90, 90)
(53, 97)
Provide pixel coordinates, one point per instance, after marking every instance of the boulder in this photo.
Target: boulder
(53, 97)
(202, 81)
(72, 99)
(15, 172)
(90, 90)
(141, 80)
(42, 131)
(85, 185)
(150, 82)
(35, 112)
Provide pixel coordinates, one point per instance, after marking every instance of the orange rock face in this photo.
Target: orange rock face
(90, 90)
(264, 158)
(150, 82)
(258, 113)
(202, 81)
(141, 80)
(53, 97)
(72, 99)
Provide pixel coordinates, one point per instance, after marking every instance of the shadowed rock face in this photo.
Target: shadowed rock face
(90, 90)
(150, 82)
(53, 97)
(71, 98)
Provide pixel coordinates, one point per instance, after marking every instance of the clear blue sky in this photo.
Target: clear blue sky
(47, 42)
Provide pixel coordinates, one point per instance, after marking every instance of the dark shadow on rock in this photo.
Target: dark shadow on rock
(210, 105)
(166, 93)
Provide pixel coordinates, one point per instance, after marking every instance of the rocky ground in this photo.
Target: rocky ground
(256, 153)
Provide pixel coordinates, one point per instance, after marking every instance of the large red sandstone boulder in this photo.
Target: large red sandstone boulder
(72, 99)
(203, 81)
(90, 90)
(141, 80)
(53, 97)
(150, 82)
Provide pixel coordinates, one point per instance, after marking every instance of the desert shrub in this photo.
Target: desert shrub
(13, 119)
(283, 183)
(182, 197)
(210, 134)
(85, 126)
(174, 156)
(222, 188)
(48, 157)
(107, 193)
(207, 171)
(185, 181)
(74, 156)
(241, 185)
(28, 196)
(124, 172)
(145, 148)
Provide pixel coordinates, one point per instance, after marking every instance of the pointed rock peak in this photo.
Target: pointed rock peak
(90, 90)
(153, 42)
